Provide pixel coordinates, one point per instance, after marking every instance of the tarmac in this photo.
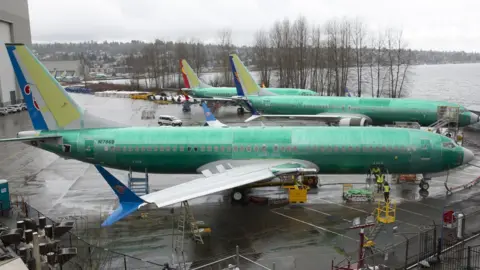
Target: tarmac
(306, 236)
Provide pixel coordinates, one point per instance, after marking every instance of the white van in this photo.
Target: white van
(169, 120)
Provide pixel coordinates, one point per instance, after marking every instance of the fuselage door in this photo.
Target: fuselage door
(425, 149)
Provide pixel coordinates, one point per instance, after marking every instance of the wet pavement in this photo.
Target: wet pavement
(306, 236)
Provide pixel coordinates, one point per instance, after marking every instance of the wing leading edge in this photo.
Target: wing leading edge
(234, 177)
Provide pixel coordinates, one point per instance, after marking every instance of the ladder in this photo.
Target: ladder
(374, 231)
(439, 124)
(138, 185)
(186, 221)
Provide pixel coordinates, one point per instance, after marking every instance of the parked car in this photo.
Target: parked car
(23, 106)
(3, 111)
(169, 120)
(12, 109)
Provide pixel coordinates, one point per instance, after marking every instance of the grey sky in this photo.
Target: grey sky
(427, 24)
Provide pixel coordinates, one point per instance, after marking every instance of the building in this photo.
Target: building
(65, 70)
(14, 27)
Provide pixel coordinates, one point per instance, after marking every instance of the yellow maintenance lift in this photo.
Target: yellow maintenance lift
(385, 214)
(297, 193)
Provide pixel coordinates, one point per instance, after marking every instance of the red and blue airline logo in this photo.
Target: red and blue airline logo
(119, 189)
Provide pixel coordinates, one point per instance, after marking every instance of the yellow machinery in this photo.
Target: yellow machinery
(385, 213)
(143, 96)
(297, 193)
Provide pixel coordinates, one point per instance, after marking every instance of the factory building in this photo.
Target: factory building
(14, 27)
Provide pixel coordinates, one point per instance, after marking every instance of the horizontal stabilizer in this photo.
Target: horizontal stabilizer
(129, 201)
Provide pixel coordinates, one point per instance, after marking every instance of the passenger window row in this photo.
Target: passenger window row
(263, 148)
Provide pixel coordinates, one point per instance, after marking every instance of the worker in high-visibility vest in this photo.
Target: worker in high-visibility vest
(386, 191)
(380, 179)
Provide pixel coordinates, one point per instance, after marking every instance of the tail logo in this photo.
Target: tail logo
(36, 105)
(236, 76)
(183, 71)
(26, 89)
(207, 114)
(119, 189)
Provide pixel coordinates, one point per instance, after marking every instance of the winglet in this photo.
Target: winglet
(211, 120)
(129, 201)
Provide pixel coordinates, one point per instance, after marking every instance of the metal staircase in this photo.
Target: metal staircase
(374, 231)
(186, 221)
(139, 185)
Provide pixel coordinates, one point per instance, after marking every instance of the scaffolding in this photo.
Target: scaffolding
(139, 185)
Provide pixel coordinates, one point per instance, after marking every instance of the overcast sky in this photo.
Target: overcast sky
(427, 24)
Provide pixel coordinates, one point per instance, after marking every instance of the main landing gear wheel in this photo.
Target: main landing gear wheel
(310, 181)
(424, 185)
(239, 196)
(240, 111)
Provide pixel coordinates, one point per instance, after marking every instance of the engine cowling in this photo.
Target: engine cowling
(353, 122)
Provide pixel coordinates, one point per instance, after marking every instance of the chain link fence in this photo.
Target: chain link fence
(88, 256)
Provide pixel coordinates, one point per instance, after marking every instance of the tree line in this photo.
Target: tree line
(325, 58)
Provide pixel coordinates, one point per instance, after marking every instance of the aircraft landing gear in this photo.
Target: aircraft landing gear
(423, 185)
(310, 181)
(239, 195)
(240, 111)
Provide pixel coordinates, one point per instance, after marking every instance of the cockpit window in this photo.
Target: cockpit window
(448, 145)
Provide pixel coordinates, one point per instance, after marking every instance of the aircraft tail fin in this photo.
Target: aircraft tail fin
(244, 82)
(190, 78)
(129, 202)
(50, 107)
(210, 118)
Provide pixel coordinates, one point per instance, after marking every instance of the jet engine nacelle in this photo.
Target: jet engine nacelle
(353, 122)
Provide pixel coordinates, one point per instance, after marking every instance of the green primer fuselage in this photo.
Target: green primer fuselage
(226, 92)
(335, 150)
(381, 110)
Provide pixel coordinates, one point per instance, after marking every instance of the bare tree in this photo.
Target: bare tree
(263, 56)
(398, 62)
(197, 56)
(299, 56)
(317, 63)
(358, 40)
(225, 37)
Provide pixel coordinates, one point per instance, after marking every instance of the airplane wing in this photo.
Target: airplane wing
(32, 138)
(325, 117)
(210, 183)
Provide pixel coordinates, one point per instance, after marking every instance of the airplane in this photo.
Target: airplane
(227, 157)
(341, 111)
(202, 90)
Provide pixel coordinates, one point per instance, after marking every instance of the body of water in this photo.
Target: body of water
(459, 83)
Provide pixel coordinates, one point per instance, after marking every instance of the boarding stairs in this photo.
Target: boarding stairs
(185, 222)
(139, 185)
(440, 123)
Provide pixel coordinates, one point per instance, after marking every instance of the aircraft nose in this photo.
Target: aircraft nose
(467, 156)
(474, 118)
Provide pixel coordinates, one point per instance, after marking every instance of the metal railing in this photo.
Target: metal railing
(88, 256)
(236, 262)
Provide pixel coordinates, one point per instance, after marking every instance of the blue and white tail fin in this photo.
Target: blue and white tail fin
(244, 82)
(210, 118)
(129, 202)
(49, 105)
